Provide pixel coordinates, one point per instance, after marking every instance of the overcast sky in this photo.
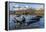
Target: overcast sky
(13, 5)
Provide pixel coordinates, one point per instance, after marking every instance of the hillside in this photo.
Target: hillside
(30, 11)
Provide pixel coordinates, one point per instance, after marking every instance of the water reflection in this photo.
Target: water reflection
(26, 21)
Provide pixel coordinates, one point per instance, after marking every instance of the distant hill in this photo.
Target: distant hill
(39, 12)
(29, 11)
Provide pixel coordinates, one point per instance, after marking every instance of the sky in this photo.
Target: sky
(14, 5)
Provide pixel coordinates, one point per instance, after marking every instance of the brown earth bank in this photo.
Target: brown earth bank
(39, 12)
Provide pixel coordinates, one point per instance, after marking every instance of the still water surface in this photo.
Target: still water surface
(39, 24)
